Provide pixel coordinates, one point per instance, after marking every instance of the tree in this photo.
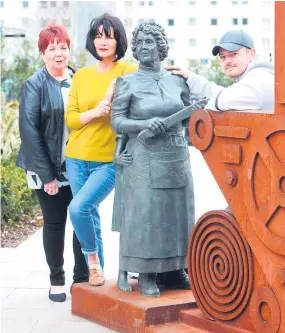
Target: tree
(14, 75)
(216, 74)
(79, 58)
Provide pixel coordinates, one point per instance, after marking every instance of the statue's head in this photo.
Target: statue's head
(149, 43)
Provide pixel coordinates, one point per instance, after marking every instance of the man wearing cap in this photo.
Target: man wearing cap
(254, 82)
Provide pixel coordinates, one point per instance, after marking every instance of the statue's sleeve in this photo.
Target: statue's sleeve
(120, 117)
(121, 104)
(185, 95)
(121, 141)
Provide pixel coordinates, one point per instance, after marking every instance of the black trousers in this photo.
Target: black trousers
(54, 209)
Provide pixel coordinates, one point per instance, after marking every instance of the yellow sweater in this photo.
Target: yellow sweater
(94, 141)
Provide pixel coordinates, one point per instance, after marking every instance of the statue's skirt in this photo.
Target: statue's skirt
(154, 205)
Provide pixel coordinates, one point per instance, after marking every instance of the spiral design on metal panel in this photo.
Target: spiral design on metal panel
(220, 266)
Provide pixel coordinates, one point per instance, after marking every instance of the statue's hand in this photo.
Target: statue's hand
(201, 103)
(157, 125)
(124, 159)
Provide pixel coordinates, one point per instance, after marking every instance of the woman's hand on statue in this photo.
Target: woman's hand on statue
(157, 125)
(124, 159)
(102, 109)
(178, 71)
(111, 91)
(51, 188)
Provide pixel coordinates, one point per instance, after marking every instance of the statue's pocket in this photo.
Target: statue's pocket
(169, 169)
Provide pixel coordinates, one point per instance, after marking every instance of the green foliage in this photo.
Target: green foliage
(10, 136)
(16, 198)
(79, 58)
(14, 75)
(217, 75)
(214, 73)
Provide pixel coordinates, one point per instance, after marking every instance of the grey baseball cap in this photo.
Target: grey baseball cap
(233, 40)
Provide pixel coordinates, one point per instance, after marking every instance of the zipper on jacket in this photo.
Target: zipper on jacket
(62, 126)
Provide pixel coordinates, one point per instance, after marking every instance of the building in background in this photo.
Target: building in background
(193, 27)
(86, 11)
(28, 18)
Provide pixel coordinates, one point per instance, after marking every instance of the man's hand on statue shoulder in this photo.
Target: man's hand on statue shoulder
(178, 71)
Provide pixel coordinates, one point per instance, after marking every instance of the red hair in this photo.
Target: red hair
(49, 34)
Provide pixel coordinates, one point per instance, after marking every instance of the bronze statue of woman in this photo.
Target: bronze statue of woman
(154, 207)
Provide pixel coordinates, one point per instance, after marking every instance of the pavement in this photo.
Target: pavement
(24, 275)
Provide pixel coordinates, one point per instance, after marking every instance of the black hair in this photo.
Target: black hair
(107, 21)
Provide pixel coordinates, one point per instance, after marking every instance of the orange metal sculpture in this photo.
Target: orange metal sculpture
(237, 257)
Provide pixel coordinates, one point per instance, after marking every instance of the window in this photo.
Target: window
(192, 21)
(191, 3)
(266, 5)
(213, 42)
(171, 43)
(150, 3)
(244, 2)
(141, 3)
(43, 23)
(204, 61)
(170, 62)
(1, 4)
(266, 44)
(266, 24)
(44, 4)
(25, 4)
(66, 4)
(128, 22)
(213, 2)
(145, 20)
(128, 4)
(214, 21)
(235, 21)
(66, 22)
(234, 2)
(192, 63)
(53, 3)
(245, 21)
(171, 22)
(192, 42)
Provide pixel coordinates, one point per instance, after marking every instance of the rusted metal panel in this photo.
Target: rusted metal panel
(231, 153)
(232, 132)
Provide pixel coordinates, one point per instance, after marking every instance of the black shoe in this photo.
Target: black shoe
(147, 285)
(57, 297)
(160, 279)
(176, 280)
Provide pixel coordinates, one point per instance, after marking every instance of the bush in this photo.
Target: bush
(10, 135)
(16, 198)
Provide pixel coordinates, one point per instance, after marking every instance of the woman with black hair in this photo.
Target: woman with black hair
(91, 143)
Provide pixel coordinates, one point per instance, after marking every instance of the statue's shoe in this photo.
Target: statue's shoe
(147, 285)
(176, 280)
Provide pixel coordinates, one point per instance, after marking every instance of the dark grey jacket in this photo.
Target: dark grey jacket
(41, 121)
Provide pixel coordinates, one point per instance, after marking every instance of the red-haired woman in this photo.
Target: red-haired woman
(42, 153)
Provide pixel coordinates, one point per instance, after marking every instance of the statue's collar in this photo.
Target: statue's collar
(150, 69)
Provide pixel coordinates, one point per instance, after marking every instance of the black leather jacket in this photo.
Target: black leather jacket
(41, 121)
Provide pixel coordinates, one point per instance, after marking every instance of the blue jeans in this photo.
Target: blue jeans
(90, 182)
